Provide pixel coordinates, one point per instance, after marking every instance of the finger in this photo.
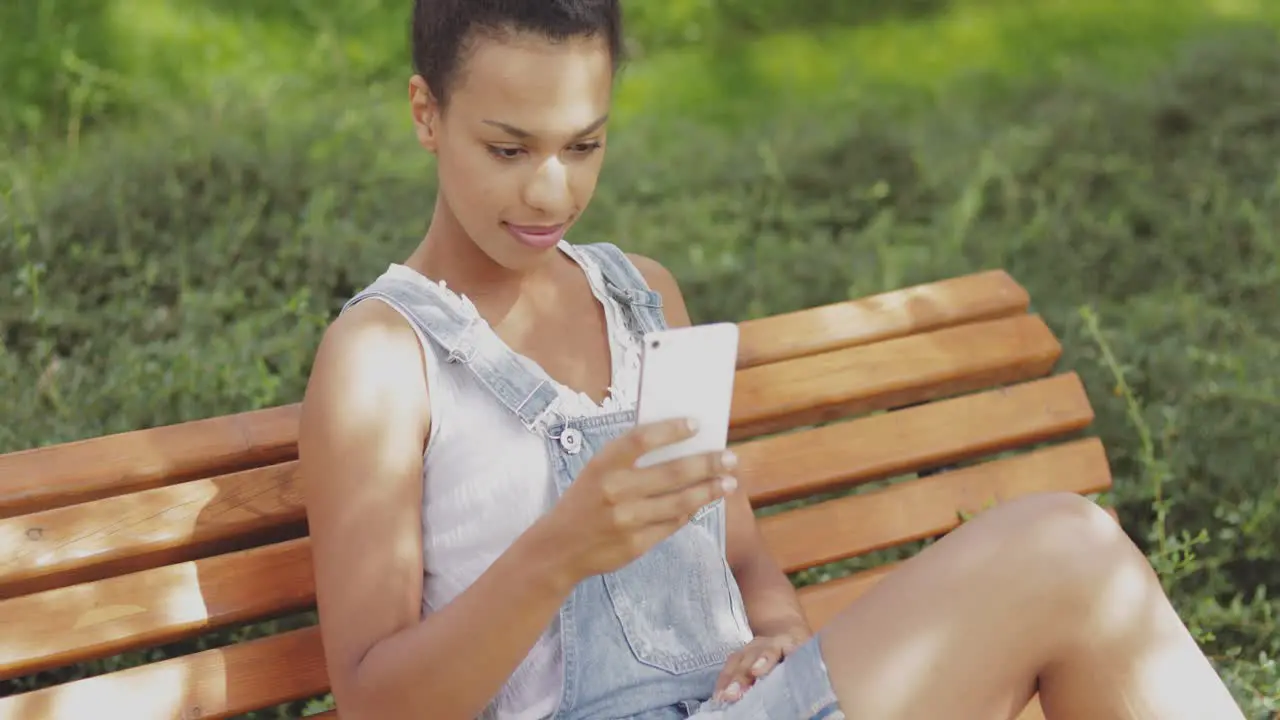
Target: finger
(642, 439)
(728, 673)
(737, 687)
(681, 472)
(734, 678)
(736, 669)
(765, 662)
(677, 507)
(673, 476)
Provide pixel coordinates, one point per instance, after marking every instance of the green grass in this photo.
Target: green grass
(140, 56)
(1010, 40)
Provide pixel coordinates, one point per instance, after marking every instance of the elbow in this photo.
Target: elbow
(353, 697)
(358, 696)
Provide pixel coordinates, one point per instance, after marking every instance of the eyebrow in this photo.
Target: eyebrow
(522, 134)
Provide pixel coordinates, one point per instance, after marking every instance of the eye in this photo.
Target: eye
(505, 153)
(584, 148)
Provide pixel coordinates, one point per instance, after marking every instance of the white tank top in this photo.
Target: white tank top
(476, 501)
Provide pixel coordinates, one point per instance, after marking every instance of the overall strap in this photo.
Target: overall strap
(627, 286)
(463, 335)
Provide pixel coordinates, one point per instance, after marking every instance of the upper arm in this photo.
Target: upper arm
(744, 544)
(364, 420)
(664, 283)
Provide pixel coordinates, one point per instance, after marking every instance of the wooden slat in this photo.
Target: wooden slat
(921, 308)
(926, 507)
(211, 684)
(183, 522)
(891, 374)
(146, 529)
(801, 464)
(57, 475)
(153, 607)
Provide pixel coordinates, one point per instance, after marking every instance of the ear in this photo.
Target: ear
(426, 113)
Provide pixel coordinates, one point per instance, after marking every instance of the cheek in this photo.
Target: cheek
(584, 177)
(474, 182)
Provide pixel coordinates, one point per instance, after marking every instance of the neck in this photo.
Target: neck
(448, 254)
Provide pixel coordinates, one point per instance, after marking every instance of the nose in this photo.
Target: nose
(547, 190)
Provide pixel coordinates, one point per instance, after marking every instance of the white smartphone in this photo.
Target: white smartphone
(688, 373)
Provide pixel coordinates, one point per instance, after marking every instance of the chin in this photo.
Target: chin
(513, 255)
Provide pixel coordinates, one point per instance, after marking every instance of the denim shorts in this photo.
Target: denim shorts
(797, 689)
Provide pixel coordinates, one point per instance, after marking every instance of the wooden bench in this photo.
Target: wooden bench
(144, 538)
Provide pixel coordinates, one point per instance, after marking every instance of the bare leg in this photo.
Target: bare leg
(1044, 592)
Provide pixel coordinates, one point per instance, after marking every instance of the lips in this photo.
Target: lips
(538, 237)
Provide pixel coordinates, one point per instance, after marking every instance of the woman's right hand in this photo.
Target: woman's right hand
(614, 512)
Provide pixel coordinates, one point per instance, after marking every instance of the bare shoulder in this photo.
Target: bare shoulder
(663, 282)
(369, 363)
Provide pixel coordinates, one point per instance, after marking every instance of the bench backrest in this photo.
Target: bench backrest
(140, 539)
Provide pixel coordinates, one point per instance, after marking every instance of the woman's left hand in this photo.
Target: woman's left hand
(753, 662)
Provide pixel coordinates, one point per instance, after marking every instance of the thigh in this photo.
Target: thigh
(799, 688)
(964, 628)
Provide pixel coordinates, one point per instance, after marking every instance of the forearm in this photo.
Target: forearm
(452, 663)
(772, 605)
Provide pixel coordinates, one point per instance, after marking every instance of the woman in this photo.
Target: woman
(483, 544)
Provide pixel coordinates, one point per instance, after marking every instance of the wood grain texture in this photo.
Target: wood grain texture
(833, 457)
(99, 619)
(927, 507)
(890, 374)
(76, 472)
(897, 313)
(150, 528)
(212, 684)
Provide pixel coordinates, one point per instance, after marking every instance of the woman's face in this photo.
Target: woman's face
(521, 140)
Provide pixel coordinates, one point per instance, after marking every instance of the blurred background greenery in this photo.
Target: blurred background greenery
(188, 191)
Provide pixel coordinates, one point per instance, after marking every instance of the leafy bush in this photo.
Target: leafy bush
(186, 269)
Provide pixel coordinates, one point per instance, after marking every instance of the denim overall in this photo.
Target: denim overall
(647, 641)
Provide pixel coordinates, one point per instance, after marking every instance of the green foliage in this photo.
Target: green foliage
(45, 49)
(183, 265)
(69, 65)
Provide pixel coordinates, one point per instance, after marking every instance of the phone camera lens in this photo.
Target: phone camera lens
(654, 344)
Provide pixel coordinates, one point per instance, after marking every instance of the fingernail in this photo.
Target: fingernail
(732, 691)
(729, 460)
(728, 483)
(758, 664)
(691, 424)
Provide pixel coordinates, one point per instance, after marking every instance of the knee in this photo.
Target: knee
(1074, 538)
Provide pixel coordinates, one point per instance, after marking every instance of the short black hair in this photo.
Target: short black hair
(442, 28)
